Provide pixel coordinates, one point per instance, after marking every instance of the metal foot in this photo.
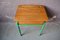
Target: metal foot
(43, 26)
(19, 28)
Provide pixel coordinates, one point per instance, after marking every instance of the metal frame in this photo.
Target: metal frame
(43, 26)
(19, 28)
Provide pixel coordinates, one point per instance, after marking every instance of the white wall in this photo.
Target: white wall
(8, 7)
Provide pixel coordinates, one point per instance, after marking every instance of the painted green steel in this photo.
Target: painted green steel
(30, 25)
(43, 25)
(19, 28)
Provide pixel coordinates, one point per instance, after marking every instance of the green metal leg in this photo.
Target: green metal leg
(43, 25)
(19, 28)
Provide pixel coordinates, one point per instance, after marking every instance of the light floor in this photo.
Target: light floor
(9, 31)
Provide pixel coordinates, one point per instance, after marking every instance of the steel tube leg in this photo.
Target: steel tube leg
(19, 28)
(43, 25)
